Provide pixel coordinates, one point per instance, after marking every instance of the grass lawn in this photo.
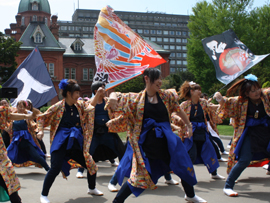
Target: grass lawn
(222, 129)
(225, 129)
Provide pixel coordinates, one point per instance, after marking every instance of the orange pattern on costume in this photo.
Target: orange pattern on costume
(131, 106)
(236, 108)
(53, 116)
(6, 168)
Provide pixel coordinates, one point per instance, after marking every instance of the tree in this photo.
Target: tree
(8, 51)
(208, 19)
(133, 85)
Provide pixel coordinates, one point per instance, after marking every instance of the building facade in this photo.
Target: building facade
(168, 31)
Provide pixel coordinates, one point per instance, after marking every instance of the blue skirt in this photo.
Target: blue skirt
(17, 156)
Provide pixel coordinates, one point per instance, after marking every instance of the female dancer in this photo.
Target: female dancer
(8, 178)
(24, 150)
(200, 147)
(153, 149)
(71, 132)
(251, 141)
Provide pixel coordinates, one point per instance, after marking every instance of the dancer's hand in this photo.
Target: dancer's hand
(190, 131)
(218, 97)
(40, 135)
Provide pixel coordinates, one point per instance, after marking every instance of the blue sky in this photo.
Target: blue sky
(65, 8)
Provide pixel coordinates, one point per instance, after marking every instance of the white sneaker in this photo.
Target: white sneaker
(265, 166)
(228, 146)
(172, 182)
(115, 163)
(229, 192)
(112, 188)
(222, 160)
(224, 153)
(44, 199)
(220, 177)
(95, 192)
(79, 175)
(195, 199)
(47, 156)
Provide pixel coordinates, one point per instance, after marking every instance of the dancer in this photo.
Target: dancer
(8, 179)
(105, 145)
(153, 149)
(5, 135)
(250, 110)
(200, 147)
(24, 150)
(212, 121)
(71, 130)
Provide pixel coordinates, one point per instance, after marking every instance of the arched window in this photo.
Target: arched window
(23, 20)
(38, 38)
(77, 46)
(35, 18)
(34, 6)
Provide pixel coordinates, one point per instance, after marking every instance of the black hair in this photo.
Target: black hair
(152, 73)
(72, 87)
(96, 85)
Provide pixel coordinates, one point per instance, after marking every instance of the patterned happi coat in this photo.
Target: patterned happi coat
(236, 108)
(186, 106)
(52, 118)
(6, 168)
(131, 106)
(32, 128)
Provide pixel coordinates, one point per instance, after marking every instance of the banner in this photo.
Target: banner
(32, 80)
(120, 53)
(230, 56)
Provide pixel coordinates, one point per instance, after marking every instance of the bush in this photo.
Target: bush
(44, 108)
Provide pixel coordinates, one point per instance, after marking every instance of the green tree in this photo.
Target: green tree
(133, 85)
(8, 51)
(208, 19)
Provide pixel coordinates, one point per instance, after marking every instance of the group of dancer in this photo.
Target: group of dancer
(85, 132)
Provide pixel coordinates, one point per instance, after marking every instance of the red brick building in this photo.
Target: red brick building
(65, 57)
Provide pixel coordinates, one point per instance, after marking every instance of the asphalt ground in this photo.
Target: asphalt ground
(252, 186)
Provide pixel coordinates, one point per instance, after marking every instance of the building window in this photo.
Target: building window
(85, 74)
(140, 31)
(172, 70)
(184, 47)
(146, 38)
(172, 47)
(77, 28)
(34, 6)
(172, 40)
(66, 73)
(184, 40)
(166, 46)
(85, 36)
(91, 74)
(85, 29)
(73, 73)
(63, 27)
(159, 32)
(178, 47)
(178, 54)
(171, 32)
(156, 24)
(71, 28)
(159, 39)
(165, 32)
(185, 55)
(172, 55)
(153, 32)
(178, 40)
(78, 46)
(184, 62)
(23, 20)
(178, 33)
(146, 31)
(179, 62)
(184, 33)
(172, 62)
(34, 18)
(38, 38)
(153, 39)
(71, 35)
(51, 69)
(165, 39)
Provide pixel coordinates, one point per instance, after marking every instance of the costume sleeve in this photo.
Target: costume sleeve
(45, 119)
(4, 116)
(230, 108)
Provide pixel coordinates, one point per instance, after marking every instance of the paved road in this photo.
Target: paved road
(253, 186)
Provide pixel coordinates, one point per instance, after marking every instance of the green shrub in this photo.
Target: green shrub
(44, 108)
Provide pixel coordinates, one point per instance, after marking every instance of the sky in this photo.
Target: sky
(65, 8)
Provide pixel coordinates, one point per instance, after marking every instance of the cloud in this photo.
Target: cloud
(13, 3)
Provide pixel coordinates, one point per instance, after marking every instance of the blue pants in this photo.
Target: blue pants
(245, 156)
